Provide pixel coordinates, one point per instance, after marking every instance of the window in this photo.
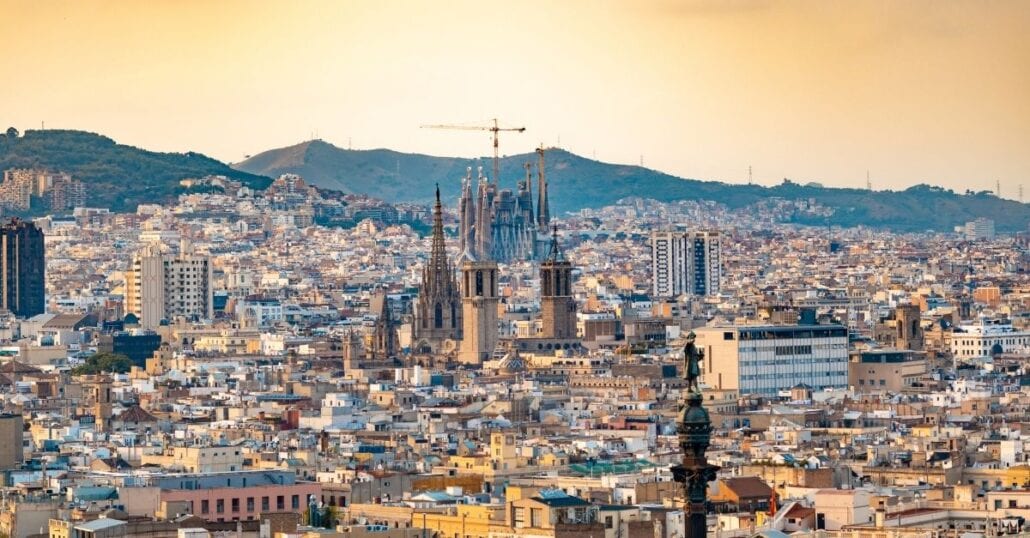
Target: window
(250, 504)
(205, 507)
(236, 505)
(280, 502)
(264, 504)
(220, 506)
(295, 502)
(519, 517)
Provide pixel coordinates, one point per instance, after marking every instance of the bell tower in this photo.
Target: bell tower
(557, 305)
(479, 310)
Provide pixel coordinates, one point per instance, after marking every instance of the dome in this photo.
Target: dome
(512, 363)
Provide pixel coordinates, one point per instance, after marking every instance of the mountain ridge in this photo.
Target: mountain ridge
(118, 176)
(575, 182)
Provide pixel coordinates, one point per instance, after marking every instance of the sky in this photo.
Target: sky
(909, 91)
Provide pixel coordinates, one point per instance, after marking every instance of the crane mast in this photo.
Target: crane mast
(494, 128)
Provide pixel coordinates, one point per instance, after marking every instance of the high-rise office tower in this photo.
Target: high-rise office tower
(685, 263)
(438, 307)
(160, 285)
(24, 267)
(557, 305)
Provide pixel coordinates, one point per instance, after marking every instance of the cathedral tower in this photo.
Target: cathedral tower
(384, 334)
(557, 305)
(438, 308)
(479, 310)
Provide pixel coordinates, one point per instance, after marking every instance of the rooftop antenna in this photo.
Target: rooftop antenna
(749, 179)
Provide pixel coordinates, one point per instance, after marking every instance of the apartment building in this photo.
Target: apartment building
(685, 263)
(160, 285)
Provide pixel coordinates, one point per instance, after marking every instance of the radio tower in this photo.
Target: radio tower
(868, 183)
(749, 174)
(997, 188)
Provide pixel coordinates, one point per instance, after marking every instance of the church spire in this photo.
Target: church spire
(554, 253)
(543, 211)
(438, 254)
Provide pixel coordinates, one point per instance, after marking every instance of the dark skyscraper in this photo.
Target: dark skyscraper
(24, 268)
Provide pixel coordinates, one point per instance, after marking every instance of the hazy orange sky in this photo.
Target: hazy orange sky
(913, 91)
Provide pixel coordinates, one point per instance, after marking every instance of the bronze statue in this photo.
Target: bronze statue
(692, 357)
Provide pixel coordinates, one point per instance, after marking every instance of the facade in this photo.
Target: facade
(988, 337)
(235, 496)
(438, 307)
(885, 370)
(981, 229)
(59, 191)
(557, 305)
(500, 224)
(161, 286)
(479, 311)
(384, 332)
(24, 268)
(770, 359)
(685, 263)
(902, 329)
(11, 439)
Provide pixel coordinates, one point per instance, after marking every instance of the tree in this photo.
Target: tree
(12, 132)
(329, 517)
(114, 363)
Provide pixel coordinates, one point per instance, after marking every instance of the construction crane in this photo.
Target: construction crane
(495, 128)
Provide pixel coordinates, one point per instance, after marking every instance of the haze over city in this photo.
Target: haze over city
(637, 269)
(913, 92)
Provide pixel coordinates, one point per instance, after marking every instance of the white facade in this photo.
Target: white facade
(768, 359)
(686, 263)
(980, 339)
(979, 229)
(160, 285)
(668, 264)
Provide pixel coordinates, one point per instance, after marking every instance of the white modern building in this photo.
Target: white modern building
(979, 229)
(769, 359)
(160, 285)
(988, 337)
(685, 263)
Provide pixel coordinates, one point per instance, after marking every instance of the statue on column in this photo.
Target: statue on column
(692, 357)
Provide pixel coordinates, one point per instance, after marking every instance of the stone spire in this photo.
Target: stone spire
(543, 212)
(438, 253)
(438, 307)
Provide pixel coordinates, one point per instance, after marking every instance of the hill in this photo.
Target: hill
(117, 176)
(577, 182)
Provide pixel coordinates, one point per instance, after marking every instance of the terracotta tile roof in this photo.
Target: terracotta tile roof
(136, 414)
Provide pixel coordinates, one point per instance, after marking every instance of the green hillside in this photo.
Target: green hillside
(577, 182)
(118, 176)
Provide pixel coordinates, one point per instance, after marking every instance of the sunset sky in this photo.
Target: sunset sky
(935, 91)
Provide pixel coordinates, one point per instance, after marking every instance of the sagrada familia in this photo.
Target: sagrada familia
(458, 314)
(501, 225)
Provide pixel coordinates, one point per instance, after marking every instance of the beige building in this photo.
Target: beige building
(479, 311)
(11, 439)
(771, 359)
(160, 285)
(213, 459)
(885, 370)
